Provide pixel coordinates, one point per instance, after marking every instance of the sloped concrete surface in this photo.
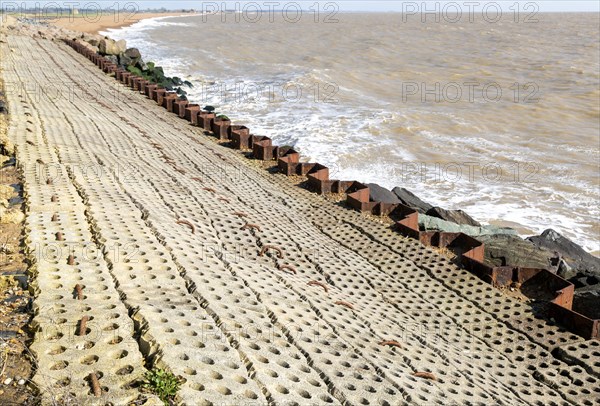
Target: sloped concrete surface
(152, 217)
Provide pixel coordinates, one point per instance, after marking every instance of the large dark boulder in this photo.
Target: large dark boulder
(130, 57)
(132, 53)
(409, 199)
(587, 301)
(429, 223)
(455, 216)
(125, 61)
(113, 58)
(141, 65)
(511, 250)
(381, 194)
(581, 263)
(581, 281)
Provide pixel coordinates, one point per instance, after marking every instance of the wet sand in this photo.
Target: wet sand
(95, 25)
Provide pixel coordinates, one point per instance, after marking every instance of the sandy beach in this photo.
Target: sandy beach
(156, 246)
(96, 25)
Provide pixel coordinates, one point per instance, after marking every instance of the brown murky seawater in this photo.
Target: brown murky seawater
(499, 119)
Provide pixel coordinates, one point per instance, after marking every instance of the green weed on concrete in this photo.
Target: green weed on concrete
(163, 384)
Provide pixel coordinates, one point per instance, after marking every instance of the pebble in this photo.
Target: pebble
(21, 382)
(7, 381)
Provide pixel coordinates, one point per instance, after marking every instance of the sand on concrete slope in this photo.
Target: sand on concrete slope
(153, 216)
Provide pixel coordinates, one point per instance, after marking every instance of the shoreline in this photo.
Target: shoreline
(106, 22)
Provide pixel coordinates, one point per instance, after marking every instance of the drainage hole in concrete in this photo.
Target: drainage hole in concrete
(89, 360)
(231, 365)
(326, 399)
(111, 327)
(271, 373)
(250, 395)
(62, 383)
(240, 379)
(115, 340)
(207, 360)
(125, 370)
(120, 354)
(60, 365)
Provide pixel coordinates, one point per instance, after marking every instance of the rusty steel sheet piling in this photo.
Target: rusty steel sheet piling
(241, 139)
(219, 127)
(205, 120)
(191, 112)
(179, 106)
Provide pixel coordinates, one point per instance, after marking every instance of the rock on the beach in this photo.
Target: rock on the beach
(409, 199)
(132, 53)
(125, 61)
(91, 47)
(511, 250)
(141, 64)
(581, 281)
(455, 216)
(587, 302)
(113, 58)
(122, 45)
(429, 223)
(576, 257)
(92, 39)
(381, 194)
(107, 47)
(111, 47)
(130, 57)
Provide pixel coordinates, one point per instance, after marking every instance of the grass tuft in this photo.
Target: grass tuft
(163, 384)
